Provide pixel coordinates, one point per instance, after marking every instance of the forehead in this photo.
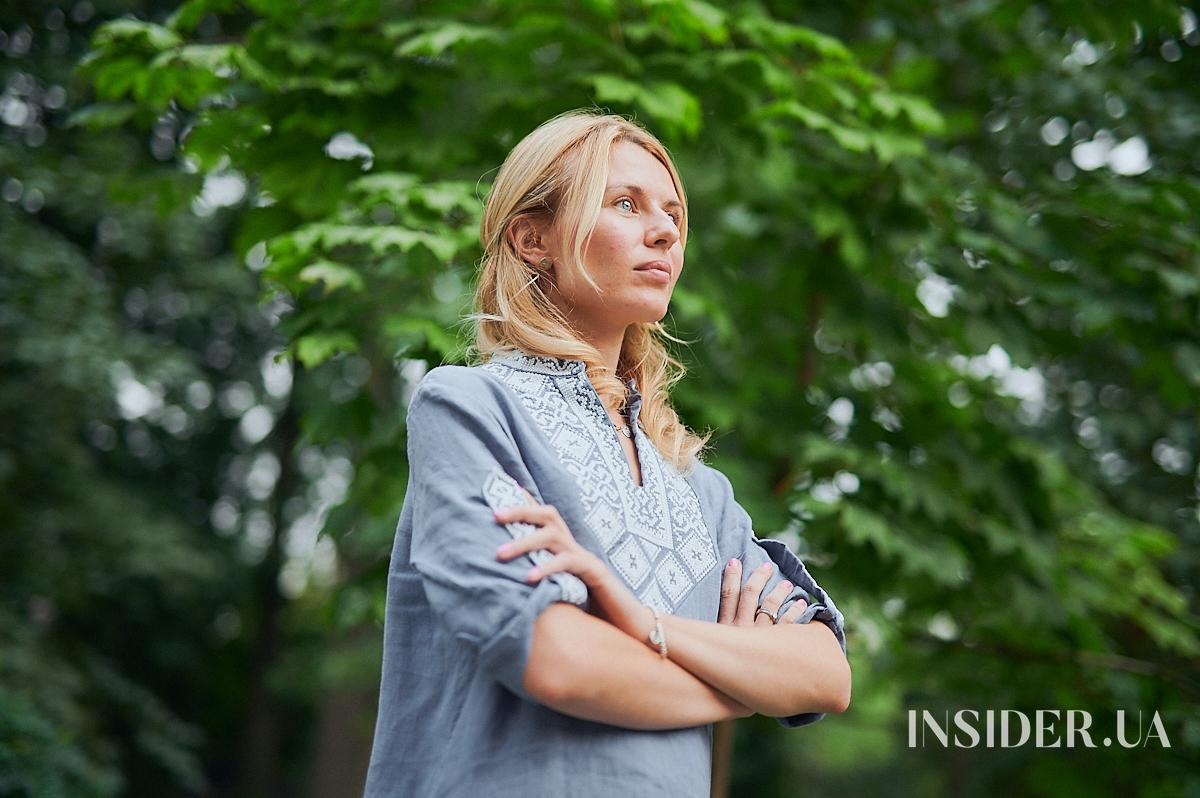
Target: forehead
(630, 165)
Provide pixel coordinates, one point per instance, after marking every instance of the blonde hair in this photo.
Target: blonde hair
(558, 173)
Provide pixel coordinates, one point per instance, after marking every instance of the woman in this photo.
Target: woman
(603, 667)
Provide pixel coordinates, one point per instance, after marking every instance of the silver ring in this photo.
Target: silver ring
(774, 616)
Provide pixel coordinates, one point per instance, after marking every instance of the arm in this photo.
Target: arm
(457, 439)
(585, 667)
(754, 665)
(805, 663)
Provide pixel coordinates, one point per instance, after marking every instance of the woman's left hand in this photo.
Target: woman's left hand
(610, 597)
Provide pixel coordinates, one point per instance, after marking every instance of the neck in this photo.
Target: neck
(611, 352)
(606, 340)
(609, 346)
(608, 343)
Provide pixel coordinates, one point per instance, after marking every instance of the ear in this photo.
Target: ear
(529, 240)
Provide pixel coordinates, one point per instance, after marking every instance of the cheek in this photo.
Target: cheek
(611, 233)
(609, 247)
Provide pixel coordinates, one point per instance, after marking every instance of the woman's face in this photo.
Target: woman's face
(638, 224)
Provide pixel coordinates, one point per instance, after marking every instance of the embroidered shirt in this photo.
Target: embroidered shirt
(454, 717)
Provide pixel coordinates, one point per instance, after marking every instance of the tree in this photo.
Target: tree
(921, 348)
(142, 474)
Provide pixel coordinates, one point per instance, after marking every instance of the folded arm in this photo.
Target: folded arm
(588, 668)
(801, 664)
(585, 667)
(780, 670)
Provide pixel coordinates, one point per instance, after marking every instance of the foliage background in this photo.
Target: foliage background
(942, 294)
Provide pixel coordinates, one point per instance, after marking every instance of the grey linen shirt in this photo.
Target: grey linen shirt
(454, 717)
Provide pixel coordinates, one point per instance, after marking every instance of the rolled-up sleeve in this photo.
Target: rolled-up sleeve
(457, 441)
(738, 539)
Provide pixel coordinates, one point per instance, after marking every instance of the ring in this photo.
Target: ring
(774, 616)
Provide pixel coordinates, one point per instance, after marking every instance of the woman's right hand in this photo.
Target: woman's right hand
(739, 602)
(610, 598)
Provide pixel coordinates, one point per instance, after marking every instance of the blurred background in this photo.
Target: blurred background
(942, 302)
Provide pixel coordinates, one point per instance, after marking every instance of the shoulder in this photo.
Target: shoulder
(711, 486)
(467, 389)
(465, 384)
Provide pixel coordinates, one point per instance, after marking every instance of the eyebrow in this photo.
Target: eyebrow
(641, 192)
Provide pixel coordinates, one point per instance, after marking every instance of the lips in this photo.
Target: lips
(659, 265)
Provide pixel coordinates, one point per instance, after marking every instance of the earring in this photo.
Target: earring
(545, 263)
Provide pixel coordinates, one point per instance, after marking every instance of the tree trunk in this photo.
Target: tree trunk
(722, 759)
(259, 751)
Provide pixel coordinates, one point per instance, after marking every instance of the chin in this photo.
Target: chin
(645, 310)
(653, 314)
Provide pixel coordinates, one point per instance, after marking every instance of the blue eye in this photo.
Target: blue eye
(678, 217)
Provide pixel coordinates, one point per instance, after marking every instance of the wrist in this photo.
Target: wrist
(624, 611)
(640, 623)
(657, 636)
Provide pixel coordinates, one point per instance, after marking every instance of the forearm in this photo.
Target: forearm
(602, 674)
(778, 670)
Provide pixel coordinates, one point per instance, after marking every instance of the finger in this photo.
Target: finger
(530, 513)
(794, 611)
(748, 598)
(546, 537)
(730, 584)
(772, 602)
(530, 501)
(567, 561)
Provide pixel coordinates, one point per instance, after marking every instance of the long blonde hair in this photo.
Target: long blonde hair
(559, 172)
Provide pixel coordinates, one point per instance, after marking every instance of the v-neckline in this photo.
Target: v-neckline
(616, 436)
(633, 438)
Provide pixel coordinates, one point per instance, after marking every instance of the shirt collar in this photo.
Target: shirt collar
(540, 364)
(562, 367)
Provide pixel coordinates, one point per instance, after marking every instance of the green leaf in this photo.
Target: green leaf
(334, 275)
(98, 116)
(125, 30)
(313, 349)
(668, 102)
(447, 37)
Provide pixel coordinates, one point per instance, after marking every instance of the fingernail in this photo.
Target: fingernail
(787, 585)
(533, 572)
(732, 562)
(765, 567)
(504, 548)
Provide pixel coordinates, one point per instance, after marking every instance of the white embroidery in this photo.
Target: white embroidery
(653, 535)
(502, 491)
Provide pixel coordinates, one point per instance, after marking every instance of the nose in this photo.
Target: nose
(662, 232)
